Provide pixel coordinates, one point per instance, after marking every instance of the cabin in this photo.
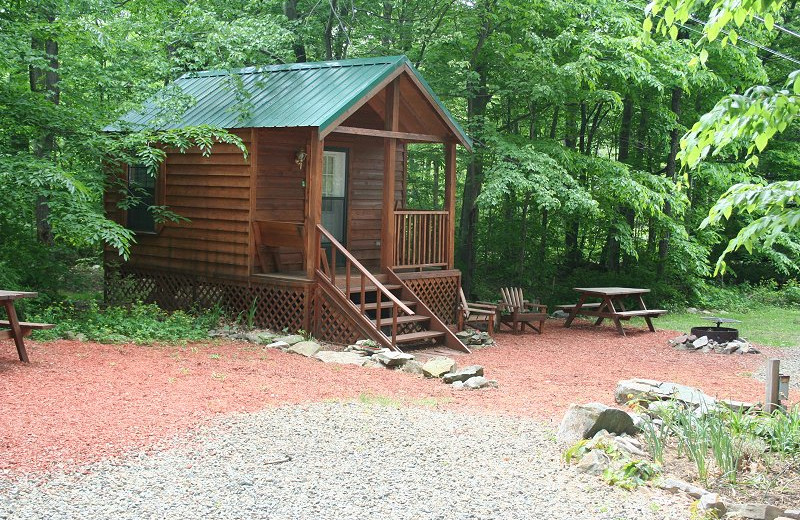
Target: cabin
(309, 230)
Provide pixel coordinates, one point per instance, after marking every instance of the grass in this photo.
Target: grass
(767, 325)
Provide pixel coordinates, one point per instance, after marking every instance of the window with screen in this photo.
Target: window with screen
(142, 187)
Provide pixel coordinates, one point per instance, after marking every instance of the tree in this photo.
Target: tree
(749, 120)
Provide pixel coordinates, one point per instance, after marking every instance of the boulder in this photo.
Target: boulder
(583, 421)
(752, 511)
(700, 342)
(623, 443)
(594, 462)
(463, 374)
(412, 367)
(792, 513)
(392, 358)
(711, 502)
(647, 390)
(636, 390)
(305, 348)
(674, 485)
(679, 340)
(342, 358)
(291, 339)
(730, 348)
(474, 383)
(438, 366)
(277, 344)
(560, 314)
(458, 385)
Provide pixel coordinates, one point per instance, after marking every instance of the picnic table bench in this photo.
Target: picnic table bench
(611, 298)
(14, 329)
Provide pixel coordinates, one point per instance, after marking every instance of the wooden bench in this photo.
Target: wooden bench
(644, 313)
(570, 306)
(25, 326)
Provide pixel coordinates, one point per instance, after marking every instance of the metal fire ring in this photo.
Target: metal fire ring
(720, 321)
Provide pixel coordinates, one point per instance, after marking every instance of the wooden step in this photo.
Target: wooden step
(414, 337)
(385, 304)
(371, 288)
(387, 322)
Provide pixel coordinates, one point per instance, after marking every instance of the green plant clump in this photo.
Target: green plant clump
(138, 323)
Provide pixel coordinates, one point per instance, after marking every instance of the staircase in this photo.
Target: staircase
(385, 309)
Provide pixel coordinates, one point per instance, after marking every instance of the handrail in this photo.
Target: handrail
(329, 271)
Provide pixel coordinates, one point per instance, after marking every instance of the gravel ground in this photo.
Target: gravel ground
(790, 364)
(348, 460)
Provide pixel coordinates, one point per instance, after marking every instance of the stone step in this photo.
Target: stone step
(414, 337)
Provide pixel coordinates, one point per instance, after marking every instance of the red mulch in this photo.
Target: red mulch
(77, 402)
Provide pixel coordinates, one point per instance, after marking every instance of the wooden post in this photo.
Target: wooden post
(772, 400)
(389, 167)
(253, 156)
(313, 213)
(450, 200)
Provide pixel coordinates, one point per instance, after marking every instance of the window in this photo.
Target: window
(142, 187)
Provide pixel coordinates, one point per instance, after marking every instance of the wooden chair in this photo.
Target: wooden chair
(467, 312)
(517, 311)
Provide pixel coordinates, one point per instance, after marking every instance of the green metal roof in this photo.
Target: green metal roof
(277, 96)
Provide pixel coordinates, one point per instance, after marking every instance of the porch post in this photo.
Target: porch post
(389, 166)
(313, 206)
(450, 200)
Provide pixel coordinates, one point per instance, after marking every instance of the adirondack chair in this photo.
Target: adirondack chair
(518, 312)
(474, 312)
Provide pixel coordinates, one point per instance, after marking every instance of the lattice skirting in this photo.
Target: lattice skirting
(276, 307)
(331, 323)
(437, 290)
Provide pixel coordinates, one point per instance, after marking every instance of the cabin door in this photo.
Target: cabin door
(334, 195)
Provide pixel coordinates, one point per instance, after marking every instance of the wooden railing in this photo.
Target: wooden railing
(422, 238)
(327, 270)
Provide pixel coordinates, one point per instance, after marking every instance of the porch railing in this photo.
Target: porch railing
(384, 297)
(422, 238)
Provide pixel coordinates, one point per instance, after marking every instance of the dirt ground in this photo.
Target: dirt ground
(78, 402)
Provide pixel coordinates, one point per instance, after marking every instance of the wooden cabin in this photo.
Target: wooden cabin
(310, 230)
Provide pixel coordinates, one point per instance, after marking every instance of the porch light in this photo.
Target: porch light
(300, 157)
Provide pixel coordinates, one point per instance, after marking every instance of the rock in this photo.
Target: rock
(754, 511)
(692, 310)
(582, 421)
(291, 339)
(463, 374)
(674, 485)
(594, 462)
(474, 383)
(700, 342)
(737, 406)
(458, 385)
(730, 348)
(679, 340)
(253, 337)
(342, 358)
(392, 358)
(412, 367)
(560, 314)
(492, 383)
(622, 443)
(277, 344)
(438, 366)
(305, 348)
(464, 334)
(633, 390)
(712, 502)
(691, 337)
(792, 513)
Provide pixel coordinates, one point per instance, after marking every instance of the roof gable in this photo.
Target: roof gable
(316, 94)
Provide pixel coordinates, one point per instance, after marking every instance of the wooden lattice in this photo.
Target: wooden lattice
(439, 292)
(331, 323)
(276, 307)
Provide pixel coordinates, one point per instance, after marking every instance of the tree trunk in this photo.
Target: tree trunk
(640, 145)
(554, 123)
(613, 245)
(543, 238)
(299, 48)
(473, 183)
(671, 168)
(523, 235)
(572, 229)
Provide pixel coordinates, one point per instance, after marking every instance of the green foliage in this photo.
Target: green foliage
(631, 474)
(576, 451)
(138, 323)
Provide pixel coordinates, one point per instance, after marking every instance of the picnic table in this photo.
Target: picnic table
(611, 306)
(15, 329)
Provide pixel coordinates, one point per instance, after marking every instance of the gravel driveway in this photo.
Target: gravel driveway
(349, 460)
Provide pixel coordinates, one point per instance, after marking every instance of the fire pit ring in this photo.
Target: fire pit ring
(719, 333)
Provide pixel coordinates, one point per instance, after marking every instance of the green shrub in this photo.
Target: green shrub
(138, 323)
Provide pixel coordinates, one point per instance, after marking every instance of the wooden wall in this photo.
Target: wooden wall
(214, 193)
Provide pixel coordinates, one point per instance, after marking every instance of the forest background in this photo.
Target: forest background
(577, 115)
